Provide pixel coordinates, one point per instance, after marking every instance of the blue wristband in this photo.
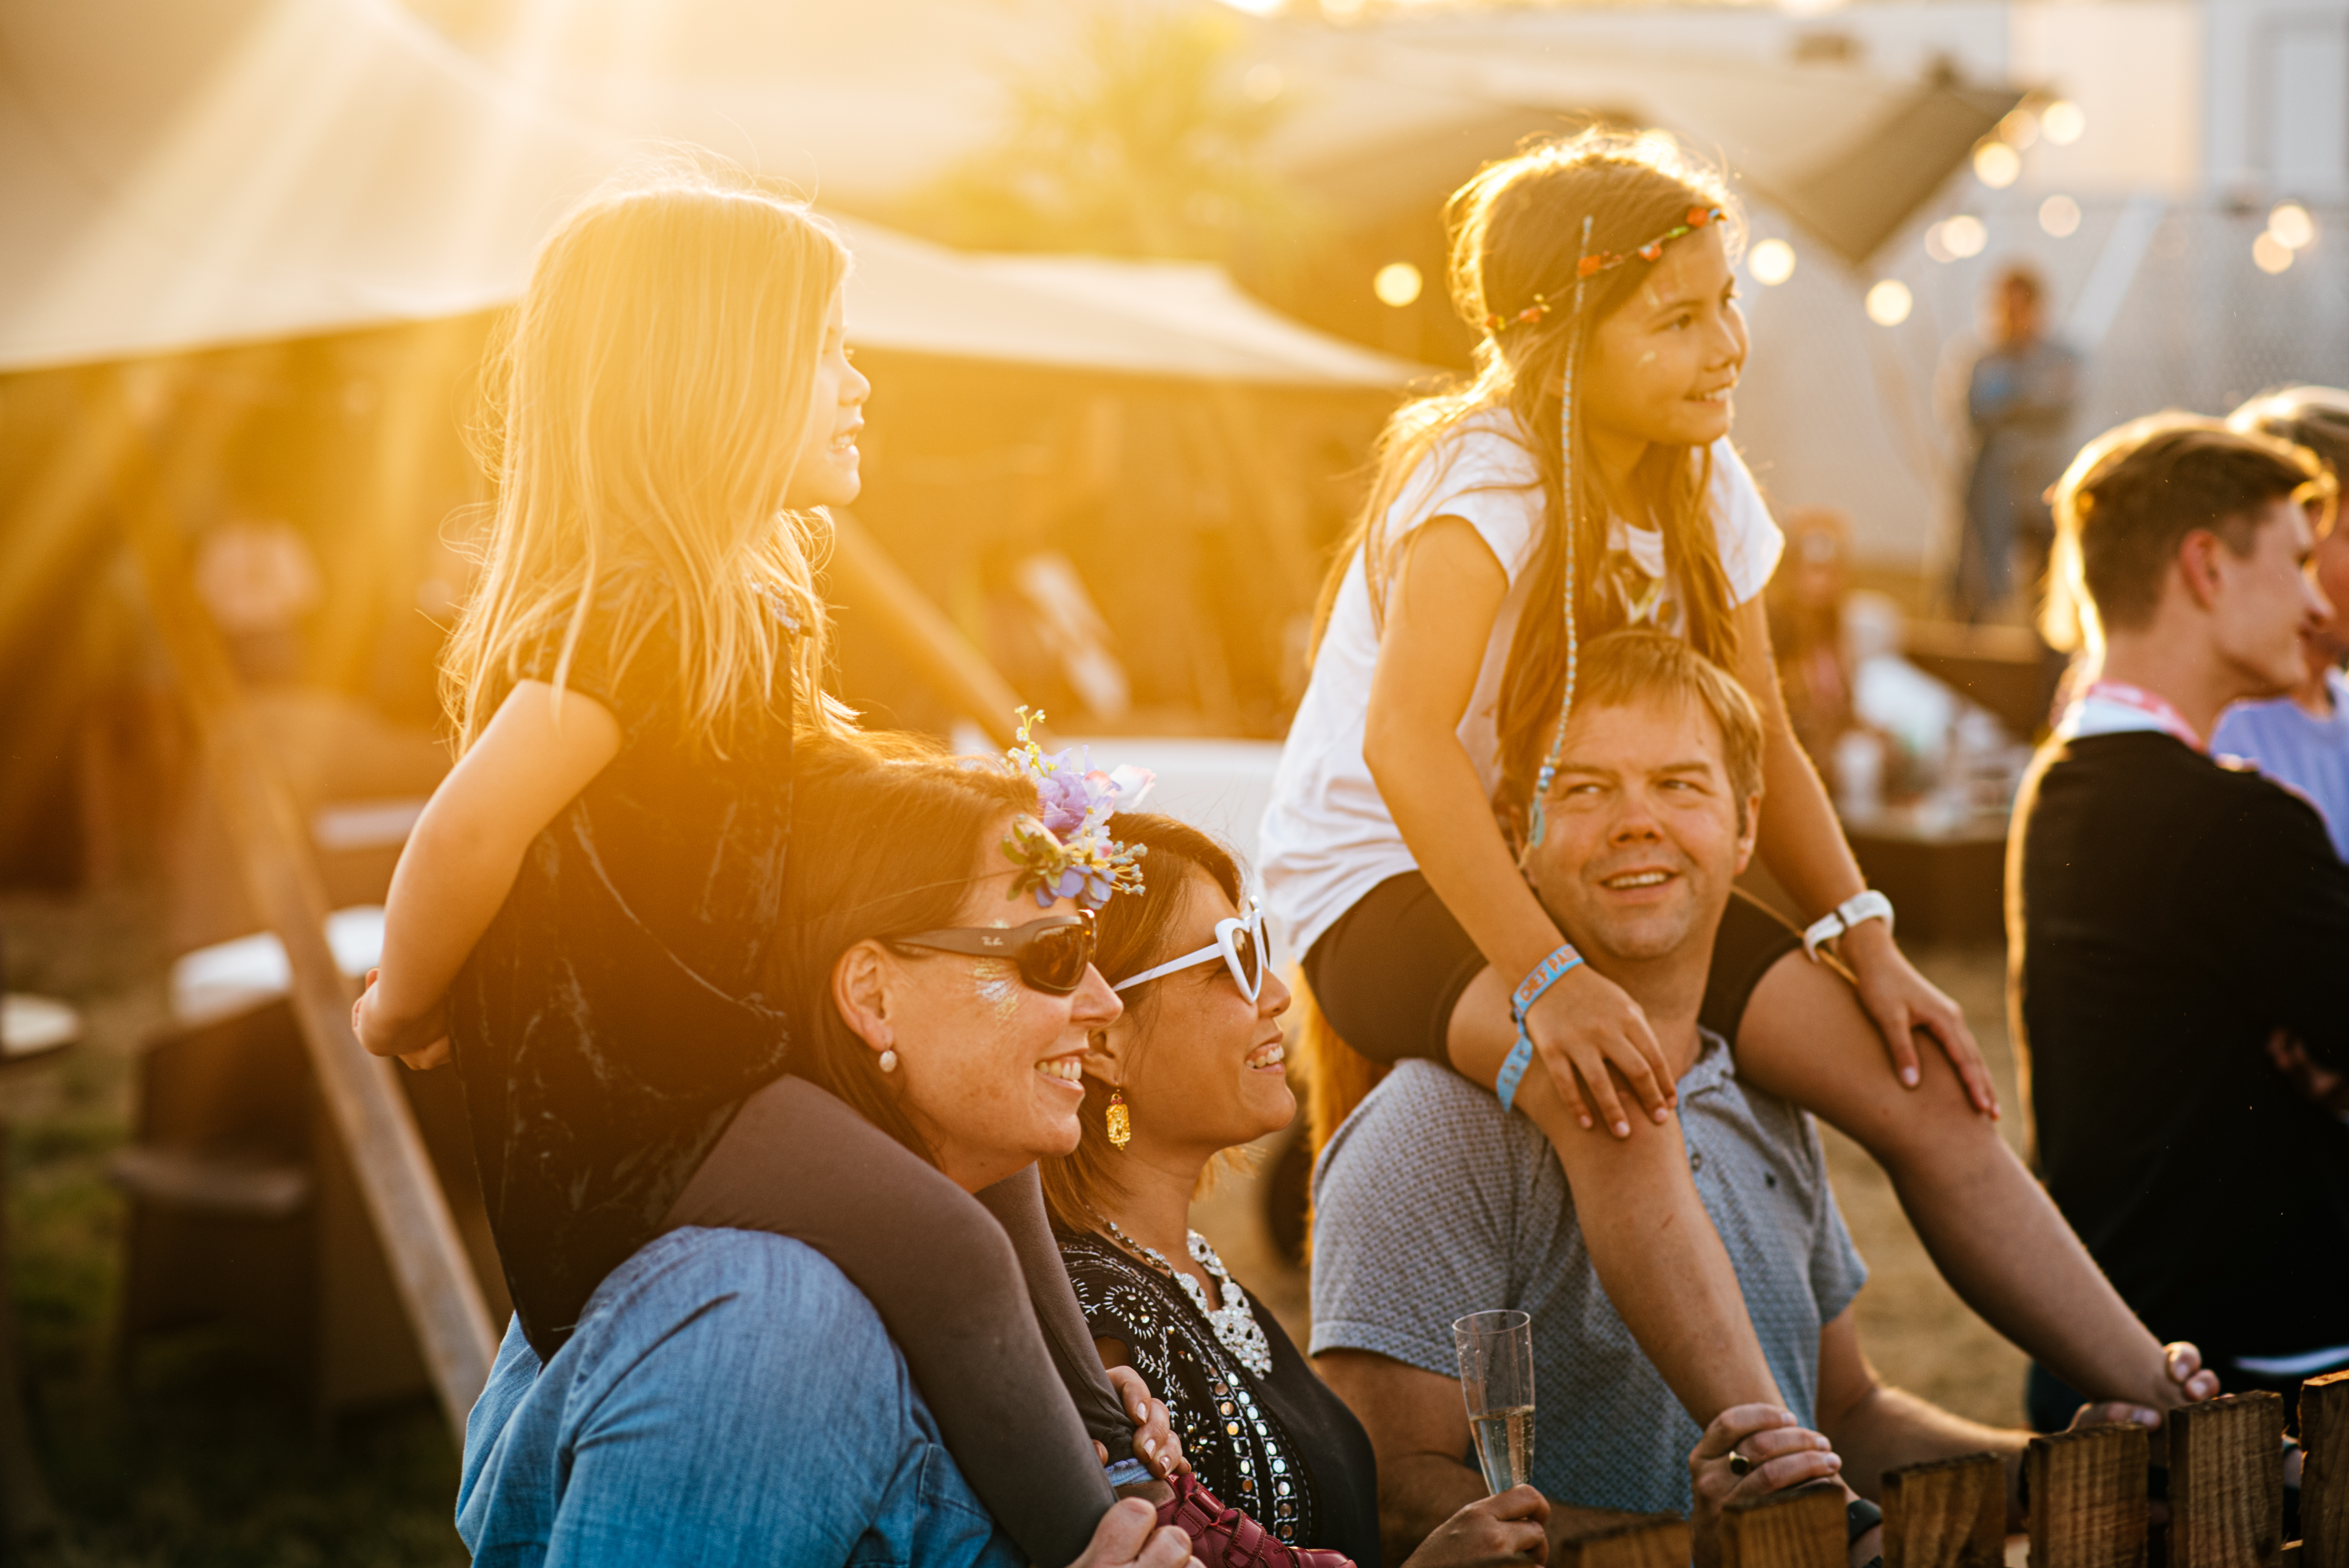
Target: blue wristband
(1530, 989)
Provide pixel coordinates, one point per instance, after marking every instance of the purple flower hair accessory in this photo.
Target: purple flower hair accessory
(1073, 855)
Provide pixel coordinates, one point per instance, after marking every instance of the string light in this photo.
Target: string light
(1997, 165)
(2063, 120)
(1889, 302)
(1772, 263)
(2060, 216)
(1397, 284)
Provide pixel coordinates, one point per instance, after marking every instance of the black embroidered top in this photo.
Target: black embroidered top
(1282, 1447)
(613, 1015)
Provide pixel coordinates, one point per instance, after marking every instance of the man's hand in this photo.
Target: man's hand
(1154, 1442)
(1780, 1452)
(1126, 1537)
(1509, 1526)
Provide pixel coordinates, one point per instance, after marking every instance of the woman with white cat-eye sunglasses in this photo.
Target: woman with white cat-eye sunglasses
(1241, 940)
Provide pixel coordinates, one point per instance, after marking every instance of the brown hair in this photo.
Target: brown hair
(1638, 666)
(2316, 418)
(885, 835)
(1516, 230)
(1137, 932)
(2133, 495)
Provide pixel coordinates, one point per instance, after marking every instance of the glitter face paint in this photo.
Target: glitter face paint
(998, 984)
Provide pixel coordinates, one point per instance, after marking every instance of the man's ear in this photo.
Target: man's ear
(861, 983)
(1752, 815)
(2198, 565)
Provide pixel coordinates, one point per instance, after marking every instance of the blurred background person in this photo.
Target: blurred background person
(1806, 603)
(2303, 739)
(2019, 401)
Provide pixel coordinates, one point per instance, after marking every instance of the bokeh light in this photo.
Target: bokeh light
(1957, 238)
(2291, 225)
(1398, 283)
(1997, 165)
(2271, 254)
(1772, 262)
(1889, 302)
(2063, 120)
(2060, 216)
(2019, 128)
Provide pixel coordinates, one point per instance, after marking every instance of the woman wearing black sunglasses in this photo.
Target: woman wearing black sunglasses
(1192, 1068)
(939, 1004)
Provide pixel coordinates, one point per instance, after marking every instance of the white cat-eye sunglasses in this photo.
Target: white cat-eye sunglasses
(1241, 940)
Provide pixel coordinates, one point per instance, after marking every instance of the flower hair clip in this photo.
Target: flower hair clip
(1593, 263)
(1067, 853)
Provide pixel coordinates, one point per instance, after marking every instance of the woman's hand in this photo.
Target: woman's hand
(1507, 1526)
(1902, 1001)
(1130, 1536)
(1580, 1026)
(1777, 1452)
(1154, 1442)
(422, 1042)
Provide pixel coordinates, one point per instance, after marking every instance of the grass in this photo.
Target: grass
(198, 1455)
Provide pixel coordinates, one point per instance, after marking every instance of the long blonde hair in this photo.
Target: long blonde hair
(1515, 231)
(649, 396)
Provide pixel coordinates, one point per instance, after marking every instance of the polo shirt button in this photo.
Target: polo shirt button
(1696, 1159)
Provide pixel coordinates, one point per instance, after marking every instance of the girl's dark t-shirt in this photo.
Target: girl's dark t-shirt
(618, 1010)
(1281, 1448)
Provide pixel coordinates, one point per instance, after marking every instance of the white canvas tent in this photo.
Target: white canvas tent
(220, 172)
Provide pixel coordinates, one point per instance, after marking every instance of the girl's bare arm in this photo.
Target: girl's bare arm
(1440, 614)
(1803, 844)
(539, 750)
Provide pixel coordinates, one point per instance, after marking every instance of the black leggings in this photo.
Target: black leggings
(1389, 973)
(976, 1297)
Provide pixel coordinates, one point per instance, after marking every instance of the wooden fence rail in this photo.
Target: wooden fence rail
(2087, 1509)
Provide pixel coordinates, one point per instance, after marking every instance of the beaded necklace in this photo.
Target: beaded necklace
(1234, 1323)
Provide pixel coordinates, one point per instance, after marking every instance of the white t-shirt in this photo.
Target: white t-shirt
(1328, 838)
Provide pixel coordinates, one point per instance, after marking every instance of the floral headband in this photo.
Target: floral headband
(1071, 854)
(1593, 263)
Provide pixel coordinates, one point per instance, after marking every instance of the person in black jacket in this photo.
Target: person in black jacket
(2178, 923)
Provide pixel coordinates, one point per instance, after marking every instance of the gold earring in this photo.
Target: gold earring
(1120, 1120)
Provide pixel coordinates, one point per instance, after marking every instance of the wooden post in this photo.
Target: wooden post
(1800, 1528)
(2226, 1483)
(1652, 1541)
(866, 579)
(2087, 1497)
(1949, 1513)
(403, 1196)
(2324, 1471)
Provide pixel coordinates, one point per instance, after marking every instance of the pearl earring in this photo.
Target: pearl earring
(888, 1061)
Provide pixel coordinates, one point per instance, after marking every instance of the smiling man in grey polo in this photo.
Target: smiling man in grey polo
(1432, 1201)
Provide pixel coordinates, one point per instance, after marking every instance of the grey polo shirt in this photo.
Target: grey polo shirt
(1432, 1201)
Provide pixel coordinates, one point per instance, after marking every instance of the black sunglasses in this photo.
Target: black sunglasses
(1052, 953)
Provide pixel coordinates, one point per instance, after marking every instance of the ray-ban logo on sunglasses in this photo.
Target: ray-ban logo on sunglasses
(991, 941)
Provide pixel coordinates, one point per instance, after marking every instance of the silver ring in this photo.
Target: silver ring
(1738, 1463)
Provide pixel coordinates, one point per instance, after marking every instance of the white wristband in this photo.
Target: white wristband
(1869, 904)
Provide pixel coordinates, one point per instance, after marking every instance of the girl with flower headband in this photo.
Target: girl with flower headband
(586, 914)
(1581, 481)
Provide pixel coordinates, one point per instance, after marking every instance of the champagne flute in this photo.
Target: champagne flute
(1496, 1378)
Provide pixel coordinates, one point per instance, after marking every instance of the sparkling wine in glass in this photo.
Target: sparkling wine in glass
(1496, 1378)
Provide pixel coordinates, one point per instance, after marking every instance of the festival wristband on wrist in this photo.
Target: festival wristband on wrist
(1530, 989)
(1869, 904)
